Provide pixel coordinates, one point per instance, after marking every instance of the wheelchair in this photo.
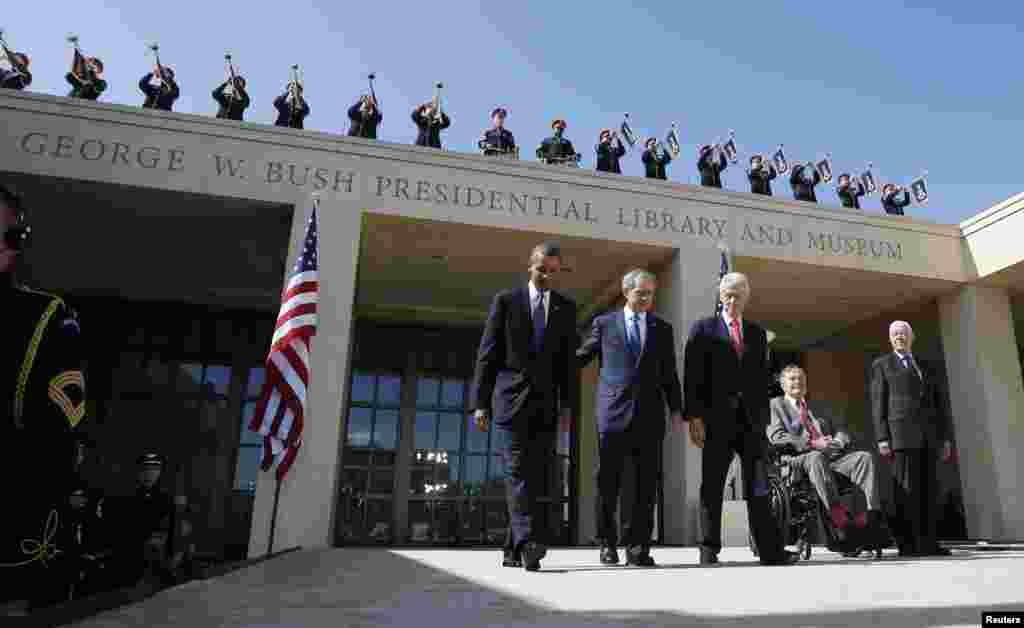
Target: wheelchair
(800, 514)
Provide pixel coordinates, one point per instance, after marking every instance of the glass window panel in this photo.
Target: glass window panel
(362, 387)
(471, 521)
(247, 468)
(476, 441)
(474, 468)
(382, 480)
(389, 390)
(350, 511)
(254, 388)
(356, 458)
(495, 477)
(496, 522)
(359, 425)
(422, 477)
(499, 440)
(421, 524)
(447, 470)
(428, 390)
(378, 520)
(451, 397)
(218, 379)
(353, 482)
(449, 430)
(385, 430)
(446, 521)
(384, 458)
(426, 423)
(188, 378)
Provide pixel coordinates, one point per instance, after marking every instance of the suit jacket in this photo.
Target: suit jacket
(525, 387)
(713, 373)
(633, 386)
(785, 427)
(907, 411)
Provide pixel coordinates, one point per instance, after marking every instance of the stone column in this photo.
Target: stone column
(687, 287)
(586, 457)
(986, 397)
(308, 498)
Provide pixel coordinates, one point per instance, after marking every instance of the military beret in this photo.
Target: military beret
(150, 460)
(558, 121)
(498, 110)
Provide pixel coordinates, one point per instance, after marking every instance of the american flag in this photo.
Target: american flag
(723, 270)
(282, 406)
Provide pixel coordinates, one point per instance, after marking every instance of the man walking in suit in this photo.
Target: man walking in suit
(525, 369)
(726, 380)
(820, 451)
(638, 379)
(910, 424)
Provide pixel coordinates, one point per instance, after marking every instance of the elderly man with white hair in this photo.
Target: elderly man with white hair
(910, 426)
(725, 381)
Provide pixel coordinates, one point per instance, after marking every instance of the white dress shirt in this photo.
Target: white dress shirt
(903, 357)
(641, 322)
(534, 292)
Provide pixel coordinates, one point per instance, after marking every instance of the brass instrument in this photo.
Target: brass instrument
(155, 48)
(672, 139)
(294, 94)
(376, 103)
(12, 57)
(627, 131)
(438, 114)
(232, 77)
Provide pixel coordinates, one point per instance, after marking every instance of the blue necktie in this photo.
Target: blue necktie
(635, 344)
(538, 323)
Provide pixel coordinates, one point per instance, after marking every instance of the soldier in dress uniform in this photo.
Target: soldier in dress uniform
(892, 201)
(17, 76)
(760, 175)
(88, 85)
(160, 88)
(42, 402)
(803, 180)
(365, 116)
(232, 98)
(84, 549)
(608, 154)
(147, 520)
(430, 125)
(556, 149)
(653, 163)
(710, 170)
(849, 192)
(292, 108)
(498, 140)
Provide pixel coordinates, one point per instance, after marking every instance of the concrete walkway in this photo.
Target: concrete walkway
(454, 588)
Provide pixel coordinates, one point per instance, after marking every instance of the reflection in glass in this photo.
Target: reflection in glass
(424, 436)
(254, 387)
(449, 430)
(359, 424)
(452, 396)
(362, 387)
(473, 470)
(382, 480)
(218, 379)
(384, 458)
(353, 481)
(378, 520)
(446, 522)
(385, 431)
(420, 522)
(427, 391)
(476, 441)
(389, 390)
(495, 477)
(247, 467)
(499, 441)
(471, 521)
(422, 477)
(496, 523)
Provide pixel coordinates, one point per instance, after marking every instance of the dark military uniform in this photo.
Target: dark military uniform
(160, 96)
(497, 140)
(760, 179)
(363, 125)
(850, 195)
(655, 168)
(89, 90)
(554, 148)
(9, 79)
(288, 116)
(608, 157)
(803, 190)
(710, 172)
(231, 108)
(429, 133)
(84, 540)
(42, 402)
(146, 522)
(894, 203)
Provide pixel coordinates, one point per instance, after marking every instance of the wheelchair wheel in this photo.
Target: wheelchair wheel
(781, 509)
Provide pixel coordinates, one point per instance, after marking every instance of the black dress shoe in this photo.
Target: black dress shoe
(640, 560)
(785, 558)
(532, 553)
(609, 556)
(708, 557)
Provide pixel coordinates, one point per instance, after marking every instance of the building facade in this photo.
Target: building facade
(171, 234)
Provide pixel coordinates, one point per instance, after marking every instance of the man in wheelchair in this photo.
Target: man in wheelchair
(811, 448)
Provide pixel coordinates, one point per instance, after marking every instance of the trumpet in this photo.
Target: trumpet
(232, 77)
(155, 49)
(294, 93)
(438, 113)
(12, 57)
(376, 103)
(672, 139)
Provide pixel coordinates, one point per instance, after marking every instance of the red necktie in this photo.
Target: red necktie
(737, 340)
(805, 418)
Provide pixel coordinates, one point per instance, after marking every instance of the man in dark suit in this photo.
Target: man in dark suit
(910, 424)
(525, 371)
(638, 379)
(726, 381)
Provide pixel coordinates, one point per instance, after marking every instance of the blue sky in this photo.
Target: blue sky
(904, 85)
